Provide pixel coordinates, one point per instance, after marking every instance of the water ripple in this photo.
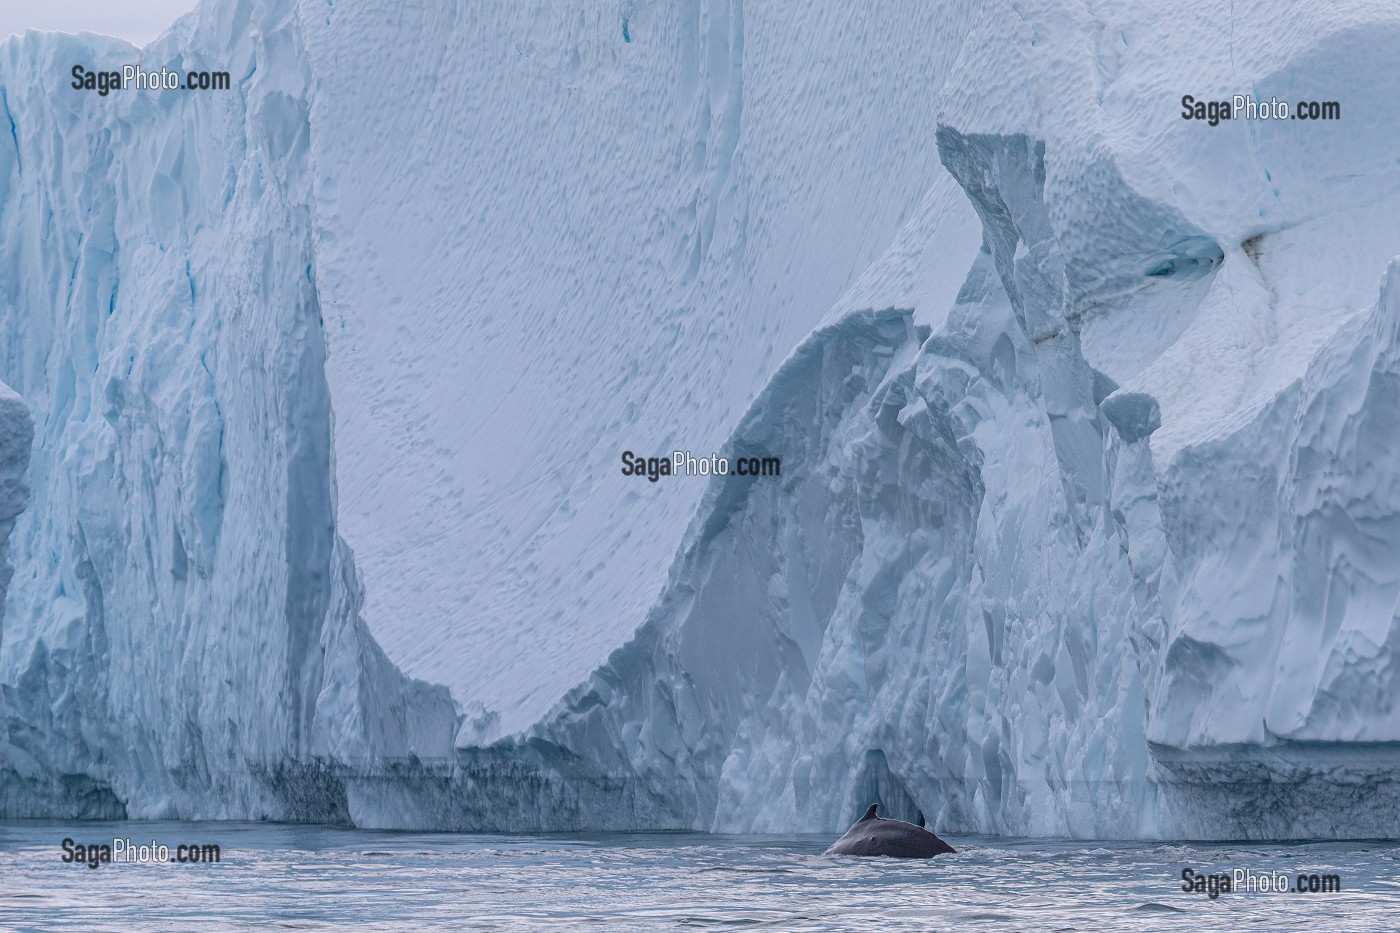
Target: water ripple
(318, 878)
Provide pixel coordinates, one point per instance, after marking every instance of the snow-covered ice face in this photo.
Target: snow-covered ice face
(1223, 279)
(1206, 262)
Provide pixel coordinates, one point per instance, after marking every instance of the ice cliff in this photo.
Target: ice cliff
(183, 636)
(16, 437)
(1090, 503)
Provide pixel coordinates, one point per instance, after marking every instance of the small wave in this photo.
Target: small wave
(745, 870)
(1153, 907)
(717, 921)
(672, 918)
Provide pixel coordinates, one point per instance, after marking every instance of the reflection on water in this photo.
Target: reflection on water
(307, 877)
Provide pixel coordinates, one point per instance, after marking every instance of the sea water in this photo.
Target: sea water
(313, 877)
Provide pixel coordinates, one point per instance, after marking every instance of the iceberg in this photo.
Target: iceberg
(16, 437)
(1089, 502)
(184, 636)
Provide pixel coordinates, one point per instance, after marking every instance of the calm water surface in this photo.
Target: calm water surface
(306, 877)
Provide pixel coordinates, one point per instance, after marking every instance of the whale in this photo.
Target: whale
(874, 835)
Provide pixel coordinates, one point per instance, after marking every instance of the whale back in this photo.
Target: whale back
(874, 835)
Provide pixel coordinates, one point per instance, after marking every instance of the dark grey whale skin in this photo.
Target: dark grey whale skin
(875, 835)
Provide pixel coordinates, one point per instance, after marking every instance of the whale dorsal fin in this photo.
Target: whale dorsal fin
(869, 814)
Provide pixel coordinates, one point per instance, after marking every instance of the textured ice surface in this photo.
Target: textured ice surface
(1090, 504)
(551, 244)
(16, 437)
(184, 635)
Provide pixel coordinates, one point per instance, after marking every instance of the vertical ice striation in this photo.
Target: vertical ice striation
(186, 640)
(16, 438)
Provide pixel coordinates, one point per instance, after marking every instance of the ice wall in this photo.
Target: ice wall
(1115, 540)
(16, 438)
(983, 594)
(184, 639)
(1087, 516)
(195, 281)
(555, 232)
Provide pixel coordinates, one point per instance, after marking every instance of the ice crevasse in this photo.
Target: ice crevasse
(1090, 502)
